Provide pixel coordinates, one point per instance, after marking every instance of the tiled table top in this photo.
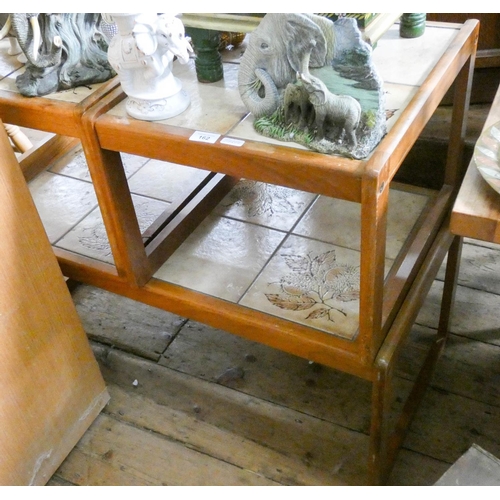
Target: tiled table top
(217, 107)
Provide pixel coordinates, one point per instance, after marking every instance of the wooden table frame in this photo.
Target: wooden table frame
(387, 317)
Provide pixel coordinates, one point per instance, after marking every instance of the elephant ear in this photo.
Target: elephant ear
(306, 44)
(319, 96)
(145, 37)
(315, 88)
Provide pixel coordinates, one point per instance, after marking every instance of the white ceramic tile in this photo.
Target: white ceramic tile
(215, 107)
(266, 204)
(397, 98)
(221, 257)
(61, 202)
(390, 56)
(333, 221)
(89, 237)
(75, 165)
(165, 181)
(339, 221)
(311, 283)
(75, 95)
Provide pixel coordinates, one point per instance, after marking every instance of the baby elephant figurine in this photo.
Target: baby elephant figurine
(342, 110)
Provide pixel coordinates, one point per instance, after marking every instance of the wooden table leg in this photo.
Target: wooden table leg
(450, 285)
(386, 440)
(115, 202)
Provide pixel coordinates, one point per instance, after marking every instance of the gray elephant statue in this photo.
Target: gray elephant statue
(334, 60)
(62, 51)
(342, 111)
(279, 48)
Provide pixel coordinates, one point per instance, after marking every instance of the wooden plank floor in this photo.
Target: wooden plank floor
(191, 405)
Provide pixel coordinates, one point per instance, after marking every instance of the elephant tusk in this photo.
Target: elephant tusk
(6, 28)
(57, 41)
(36, 36)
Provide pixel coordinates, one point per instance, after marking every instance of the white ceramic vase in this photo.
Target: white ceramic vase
(141, 53)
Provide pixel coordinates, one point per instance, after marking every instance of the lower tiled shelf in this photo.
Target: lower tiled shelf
(284, 252)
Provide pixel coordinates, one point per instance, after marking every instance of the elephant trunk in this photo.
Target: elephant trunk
(26, 28)
(258, 90)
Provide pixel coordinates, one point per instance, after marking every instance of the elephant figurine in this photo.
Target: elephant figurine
(279, 48)
(142, 54)
(62, 51)
(341, 110)
(292, 72)
(159, 42)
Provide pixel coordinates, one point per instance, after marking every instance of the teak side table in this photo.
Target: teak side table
(417, 73)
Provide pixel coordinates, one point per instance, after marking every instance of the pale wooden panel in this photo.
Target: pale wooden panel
(247, 23)
(51, 385)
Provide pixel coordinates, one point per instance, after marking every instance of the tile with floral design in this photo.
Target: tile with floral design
(312, 283)
(265, 204)
(89, 237)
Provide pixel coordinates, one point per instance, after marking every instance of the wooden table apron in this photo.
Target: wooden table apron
(386, 317)
(50, 115)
